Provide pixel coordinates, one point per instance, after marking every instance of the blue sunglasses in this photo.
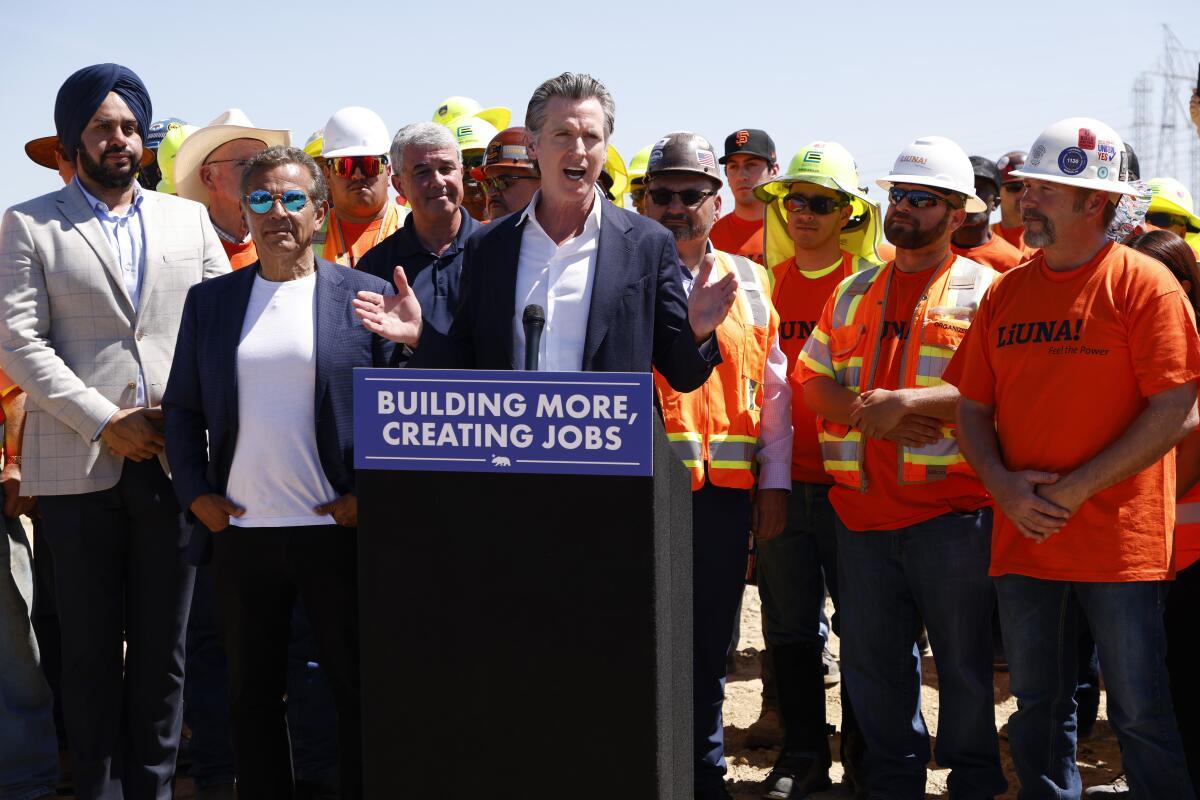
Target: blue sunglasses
(261, 201)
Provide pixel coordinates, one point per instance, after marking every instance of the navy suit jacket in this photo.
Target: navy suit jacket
(201, 399)
(637, 318)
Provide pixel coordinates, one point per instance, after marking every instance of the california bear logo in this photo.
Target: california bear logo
(501, 461)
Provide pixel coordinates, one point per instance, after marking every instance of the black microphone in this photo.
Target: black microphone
(533, 319)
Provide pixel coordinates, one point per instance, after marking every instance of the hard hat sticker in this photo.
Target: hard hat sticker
(1035, 155)
(1101, 172)
(1106, 151)
(1072, 161)
(1087, 139)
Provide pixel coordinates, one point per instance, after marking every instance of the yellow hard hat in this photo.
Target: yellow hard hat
(316, 141)
(1169, 196)
(637, 164)
(830, 165)
(614, 167)
(452, 108)
(166, 155)
(472, 133)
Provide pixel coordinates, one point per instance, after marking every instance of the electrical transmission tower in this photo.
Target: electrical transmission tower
(1176, 79)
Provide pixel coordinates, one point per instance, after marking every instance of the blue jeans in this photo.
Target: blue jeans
(794, 567)
(28, 744)
(890, 582)
(720, 546)
(1040, 621)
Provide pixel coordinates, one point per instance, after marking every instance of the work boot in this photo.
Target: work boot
(766, 731)
(1118, 788)
(795, 777)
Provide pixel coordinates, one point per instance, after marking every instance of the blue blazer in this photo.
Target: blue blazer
(201, 399)
(637, 318)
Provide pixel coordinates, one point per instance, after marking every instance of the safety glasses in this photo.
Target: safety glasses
(819, 204)
(918, 198)
(369, 166)
(1012, 187)
(1161, 219)
(261, 201)
(637, 194)
(689, 197)
(502, 183)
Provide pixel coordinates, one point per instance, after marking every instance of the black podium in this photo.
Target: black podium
(526, 636)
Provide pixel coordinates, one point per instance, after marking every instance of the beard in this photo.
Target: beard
(913, 237)
(689, 231)
(107, 175)
(1041, 238)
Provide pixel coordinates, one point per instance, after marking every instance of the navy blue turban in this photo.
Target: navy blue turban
(82, 93)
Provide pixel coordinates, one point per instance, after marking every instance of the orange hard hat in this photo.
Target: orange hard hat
(510, 149)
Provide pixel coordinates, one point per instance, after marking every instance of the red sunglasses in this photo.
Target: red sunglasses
(369, 166)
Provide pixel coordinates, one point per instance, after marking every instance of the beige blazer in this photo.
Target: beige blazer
(70, 336)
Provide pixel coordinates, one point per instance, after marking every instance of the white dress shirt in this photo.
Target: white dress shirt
(559, 278)
(775, 428)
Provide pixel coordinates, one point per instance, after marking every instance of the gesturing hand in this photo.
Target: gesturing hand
(214, 511)
(396, 317)
(344, 510)
(1018, 496)
(134, 433)
(710, 300)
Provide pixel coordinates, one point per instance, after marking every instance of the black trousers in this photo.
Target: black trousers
(119, 579)
(257, 573)
(1183, 657)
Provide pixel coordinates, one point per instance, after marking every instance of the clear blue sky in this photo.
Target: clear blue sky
(871, 75)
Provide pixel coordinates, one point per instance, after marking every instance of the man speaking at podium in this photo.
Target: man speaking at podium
(606, 281)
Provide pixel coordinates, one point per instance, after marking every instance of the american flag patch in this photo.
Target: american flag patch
(706, 159)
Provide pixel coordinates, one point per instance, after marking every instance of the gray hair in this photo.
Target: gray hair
(421, 134)
(278, 156)
(574, 86)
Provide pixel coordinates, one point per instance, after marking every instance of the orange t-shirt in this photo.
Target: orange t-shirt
(732, 234)
(1068, 359)
(888, 505)
(799, 299)
(996, 253)
(1014, 236)
(240, 255)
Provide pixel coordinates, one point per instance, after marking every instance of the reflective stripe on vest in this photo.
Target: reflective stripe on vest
(714, 429)
(950, 298)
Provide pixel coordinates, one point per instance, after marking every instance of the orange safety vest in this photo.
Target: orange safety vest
(330, 245)
(1187, 529)
(940, 320)
(717, 425)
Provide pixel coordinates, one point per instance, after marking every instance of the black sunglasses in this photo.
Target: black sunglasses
(819, 204)
(918, 198)
(1161, 219)
(1012, 187)
(689, 197)
(502, 183)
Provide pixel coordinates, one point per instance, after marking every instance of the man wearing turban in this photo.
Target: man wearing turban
(92, 280)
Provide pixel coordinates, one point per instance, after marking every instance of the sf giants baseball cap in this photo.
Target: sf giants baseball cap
(751, 142)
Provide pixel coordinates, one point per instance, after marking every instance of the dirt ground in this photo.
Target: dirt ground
(1099, 758)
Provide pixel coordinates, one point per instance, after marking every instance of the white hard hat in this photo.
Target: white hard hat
(355, 131)
(1079, 151)
(937, 162)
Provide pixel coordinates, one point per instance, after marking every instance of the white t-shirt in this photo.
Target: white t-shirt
(276, 473)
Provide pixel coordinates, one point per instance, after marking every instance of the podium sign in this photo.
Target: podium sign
(566, 423)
